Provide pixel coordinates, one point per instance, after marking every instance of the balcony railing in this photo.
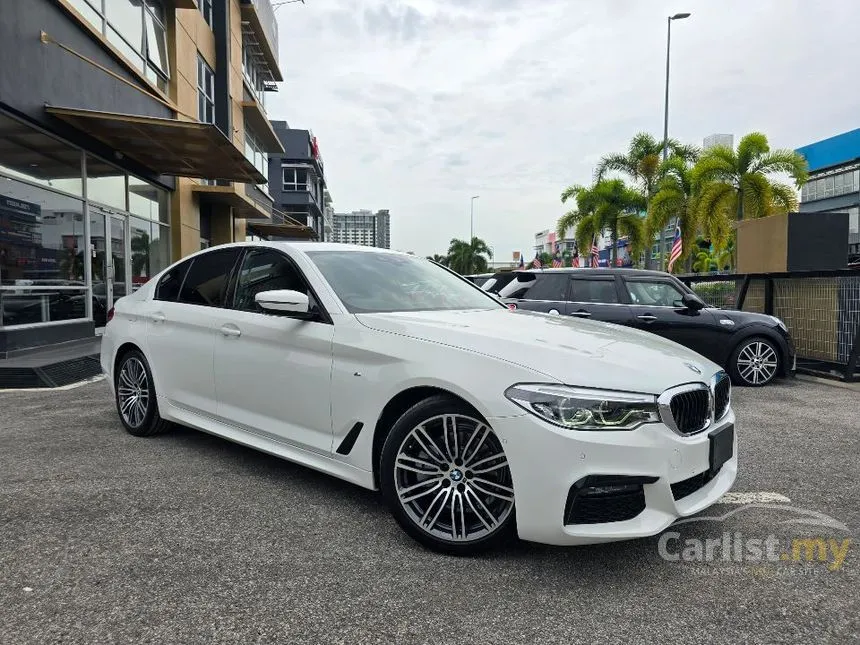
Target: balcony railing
(260, 31)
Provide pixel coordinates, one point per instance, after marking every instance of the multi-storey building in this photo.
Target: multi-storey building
(297, 179)
(363, 227)
(713, 140)
(834, 181)
(132, 132)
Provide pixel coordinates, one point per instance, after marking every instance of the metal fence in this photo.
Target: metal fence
(820, 308)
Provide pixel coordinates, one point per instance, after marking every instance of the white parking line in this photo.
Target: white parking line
(761, 497)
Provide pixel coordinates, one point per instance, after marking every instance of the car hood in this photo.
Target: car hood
(567, 350)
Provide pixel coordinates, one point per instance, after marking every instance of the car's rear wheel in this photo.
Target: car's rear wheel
(755, 362)
(446, 478)
(135, 396)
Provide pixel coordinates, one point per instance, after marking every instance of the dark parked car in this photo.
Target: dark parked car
(754, 348)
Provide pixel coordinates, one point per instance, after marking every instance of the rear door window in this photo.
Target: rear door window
(654, 293)
(206, 282)
(596, 290)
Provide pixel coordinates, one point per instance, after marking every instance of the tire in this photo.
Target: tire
(137, 405)
(425, 480)
(754, 362)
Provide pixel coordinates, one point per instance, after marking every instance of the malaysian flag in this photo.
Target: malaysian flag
(677, 248)
(536, 262)
(595, 253)
(522, 264)
(575, 261)
(556, 259)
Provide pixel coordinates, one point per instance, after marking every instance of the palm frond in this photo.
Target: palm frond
(757, 195)
(716, 164)
(784, 197)
(751, 147)
(567, 221)
(571, 191)
(783, 161)
(615, 162)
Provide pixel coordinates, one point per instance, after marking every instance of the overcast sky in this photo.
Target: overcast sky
(420, 104)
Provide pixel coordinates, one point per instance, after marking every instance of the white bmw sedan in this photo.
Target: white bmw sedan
(391, 372)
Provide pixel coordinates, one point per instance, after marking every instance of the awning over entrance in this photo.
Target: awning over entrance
(291, 231)
(243, 206)
(167, 146)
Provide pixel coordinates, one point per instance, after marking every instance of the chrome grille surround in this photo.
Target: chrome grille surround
(706, 415)
(721, 386)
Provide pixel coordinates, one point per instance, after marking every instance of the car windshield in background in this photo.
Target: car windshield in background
(371, 282)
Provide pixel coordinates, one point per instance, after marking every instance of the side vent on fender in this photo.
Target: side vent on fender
(349, 440)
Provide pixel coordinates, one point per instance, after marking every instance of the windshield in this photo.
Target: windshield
(370, 282)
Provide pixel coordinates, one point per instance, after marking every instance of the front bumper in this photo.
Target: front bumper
(546, 462)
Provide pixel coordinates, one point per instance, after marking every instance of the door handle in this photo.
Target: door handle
(582, 314)
(647, 318)
(158, 318)
(231, 330)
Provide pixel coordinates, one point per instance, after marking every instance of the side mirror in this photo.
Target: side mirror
(693, 302)
(283, 301)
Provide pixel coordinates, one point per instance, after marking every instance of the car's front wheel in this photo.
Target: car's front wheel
(446, 478)
(135, 396)
(754, 362)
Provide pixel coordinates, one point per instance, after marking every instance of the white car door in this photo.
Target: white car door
(180, 334)
(273, 371)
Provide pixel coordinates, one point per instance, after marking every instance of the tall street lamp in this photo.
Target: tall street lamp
(677, 16)
(472, 218)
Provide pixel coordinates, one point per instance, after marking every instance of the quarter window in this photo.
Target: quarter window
(548, 286)
(655, 294)
(170, 283)
(266, 271)
(206, 282)
(205, 91)
(594, 291)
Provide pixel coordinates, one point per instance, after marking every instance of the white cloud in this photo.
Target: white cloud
(419, 104)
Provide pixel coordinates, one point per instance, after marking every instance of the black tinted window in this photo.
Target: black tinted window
(594, 291)
(266, 271)
(206, 282)
(548, 286)
(657, 293)
(168, 286)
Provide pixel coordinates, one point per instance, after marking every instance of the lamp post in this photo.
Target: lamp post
(472, 218)
(677, 16)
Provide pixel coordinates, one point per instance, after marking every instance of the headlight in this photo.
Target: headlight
(779, 323)
(579, 408)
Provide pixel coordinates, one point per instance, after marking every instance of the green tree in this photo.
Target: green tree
(438, 258)
(675, 196)
(739, 184)
(468, 258)
(641, 163)
(607, 204)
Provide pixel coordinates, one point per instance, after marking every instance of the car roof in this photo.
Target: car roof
(305, 246)
(601, 271)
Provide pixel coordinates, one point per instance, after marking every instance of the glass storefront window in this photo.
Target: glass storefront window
(148, 201)
(105, 183)
(41, 237)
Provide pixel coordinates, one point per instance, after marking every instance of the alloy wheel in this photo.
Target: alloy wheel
(452, 478)
(757, 362)
(133, 392)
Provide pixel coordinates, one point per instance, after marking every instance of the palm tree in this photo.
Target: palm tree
(675, 196)
(467, 258)
(439, 259)
(608, 204)
(738, 184)
(641, 163)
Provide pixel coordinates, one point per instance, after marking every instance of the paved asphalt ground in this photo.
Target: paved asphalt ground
(105, 538)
